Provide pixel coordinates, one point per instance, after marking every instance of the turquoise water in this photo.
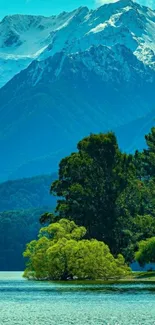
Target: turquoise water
(41, 303)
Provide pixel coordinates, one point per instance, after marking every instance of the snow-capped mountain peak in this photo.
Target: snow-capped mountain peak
(24, 38)
(85, 71)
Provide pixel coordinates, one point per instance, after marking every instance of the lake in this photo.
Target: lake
(42, 303)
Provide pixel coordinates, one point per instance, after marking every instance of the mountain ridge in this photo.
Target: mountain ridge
(73, 31)
(84, 81)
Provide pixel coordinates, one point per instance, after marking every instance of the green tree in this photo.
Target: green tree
(139, 228)
(145, 171)
(149, 154)
(90, 183)
(61, 253)
(146, 251)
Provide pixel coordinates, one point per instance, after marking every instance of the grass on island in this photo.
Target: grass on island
(145, 275)
(135, 277)
(140, 276)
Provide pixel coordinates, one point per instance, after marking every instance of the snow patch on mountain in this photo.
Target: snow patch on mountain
(26, 38)
(23, 39)
(124, 22)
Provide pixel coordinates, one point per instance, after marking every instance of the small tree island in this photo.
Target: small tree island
(107, 192)
(60, 253)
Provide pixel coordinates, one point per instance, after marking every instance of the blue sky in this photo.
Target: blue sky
(49, 7)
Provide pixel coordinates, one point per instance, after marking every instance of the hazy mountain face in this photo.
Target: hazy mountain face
(86, 71)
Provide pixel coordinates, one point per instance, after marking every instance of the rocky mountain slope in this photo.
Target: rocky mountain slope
(25, 38)
(91, 71)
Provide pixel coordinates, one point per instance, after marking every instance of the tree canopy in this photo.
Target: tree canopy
(146, 251)
(90, 183)
(60, 253)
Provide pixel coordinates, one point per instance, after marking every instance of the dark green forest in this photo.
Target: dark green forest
(22, 202)
(16, 228)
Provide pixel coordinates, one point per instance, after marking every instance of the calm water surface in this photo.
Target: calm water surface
(40, 303)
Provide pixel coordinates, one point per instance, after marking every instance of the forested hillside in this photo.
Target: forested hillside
(27, 193)
(16, 228)
(21, 204)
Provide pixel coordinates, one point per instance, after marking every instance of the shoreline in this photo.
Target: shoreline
(135, 277)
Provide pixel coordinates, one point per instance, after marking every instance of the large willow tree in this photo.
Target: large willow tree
(60, 253)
